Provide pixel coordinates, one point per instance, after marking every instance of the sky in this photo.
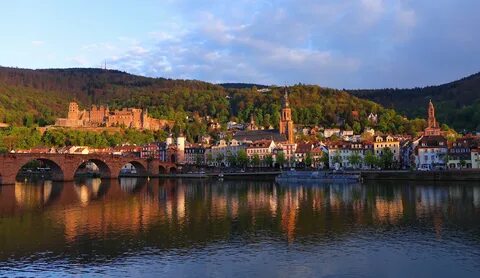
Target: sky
(333, 43)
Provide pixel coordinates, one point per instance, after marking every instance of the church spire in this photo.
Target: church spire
(432, 122)
(286, 123)
(285, 98)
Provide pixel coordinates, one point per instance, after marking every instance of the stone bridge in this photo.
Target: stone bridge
(64, 166)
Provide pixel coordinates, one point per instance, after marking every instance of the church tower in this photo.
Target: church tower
(432, 128)
(286, 122)
(432, 122)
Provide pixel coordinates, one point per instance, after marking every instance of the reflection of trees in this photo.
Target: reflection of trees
(184, 213)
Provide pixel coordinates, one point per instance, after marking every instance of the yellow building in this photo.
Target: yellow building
(382, 142)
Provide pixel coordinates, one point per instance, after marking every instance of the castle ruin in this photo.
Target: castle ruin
(101, 116)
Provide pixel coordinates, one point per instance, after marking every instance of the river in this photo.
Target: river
(209, 228)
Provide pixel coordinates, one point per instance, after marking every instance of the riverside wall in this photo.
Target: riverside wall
(450, 175)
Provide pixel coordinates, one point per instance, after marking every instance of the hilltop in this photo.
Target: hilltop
(457, 103)
(37, 97)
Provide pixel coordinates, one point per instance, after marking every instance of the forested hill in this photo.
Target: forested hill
(457, 103)
(242, 86)
(44, 94)
(37, 97)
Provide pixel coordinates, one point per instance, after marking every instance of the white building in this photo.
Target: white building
(475, 156)
(343, 151)
(262, 148)
(431, 153)
(329, 132)
(223, 148)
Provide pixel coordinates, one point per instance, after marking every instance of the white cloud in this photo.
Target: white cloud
(337, 43)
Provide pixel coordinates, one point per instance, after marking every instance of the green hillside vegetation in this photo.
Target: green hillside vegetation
(36, 97)
(457, 103)
(14, 138)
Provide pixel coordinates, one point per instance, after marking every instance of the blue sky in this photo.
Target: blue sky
(334, 43)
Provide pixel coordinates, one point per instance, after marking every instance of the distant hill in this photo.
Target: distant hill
(457, 103)
(242, 86)
(37, 97)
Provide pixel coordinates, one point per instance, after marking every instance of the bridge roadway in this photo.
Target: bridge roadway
(64, 166)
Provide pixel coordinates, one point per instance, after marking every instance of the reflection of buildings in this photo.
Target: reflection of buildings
(89, 189)
(31, 195)
(389, 211)
(175, 212)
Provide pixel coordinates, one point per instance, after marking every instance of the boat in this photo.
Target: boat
(293, 176)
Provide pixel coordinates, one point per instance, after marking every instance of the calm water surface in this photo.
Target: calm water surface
(193, 228)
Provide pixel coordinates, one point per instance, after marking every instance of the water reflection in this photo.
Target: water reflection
(109, 218)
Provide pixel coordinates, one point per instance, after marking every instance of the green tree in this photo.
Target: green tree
(199, 159)
(255, 161)
(280, 159)
(242, 158)
(370, 159)
(268, 160)
(354, 159)
(219, 158)
(357, 128)
(232, 159)
(308, 160)
(209, 158)
(337, 159)
(325, 159)
(386, 160)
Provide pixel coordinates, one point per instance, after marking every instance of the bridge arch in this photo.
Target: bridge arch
(102, 167)
(48, 168)
(140, 168)
(162, 170)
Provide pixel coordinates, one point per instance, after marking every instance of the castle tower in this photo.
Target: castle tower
(73, 111)
(286, 122)
(145, 121)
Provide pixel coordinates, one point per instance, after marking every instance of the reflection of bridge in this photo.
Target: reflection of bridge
(64, 166)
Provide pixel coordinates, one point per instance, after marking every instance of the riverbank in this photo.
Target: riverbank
(449, 175)
(233, 175)
(467, 175)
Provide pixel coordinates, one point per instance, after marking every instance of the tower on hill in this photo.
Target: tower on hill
(433, 128)
(286, 122)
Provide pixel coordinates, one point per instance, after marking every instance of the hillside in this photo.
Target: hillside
(457, 103)
(37, 97)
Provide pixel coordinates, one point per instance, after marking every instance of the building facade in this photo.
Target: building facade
(432, 153)
(382, 142)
